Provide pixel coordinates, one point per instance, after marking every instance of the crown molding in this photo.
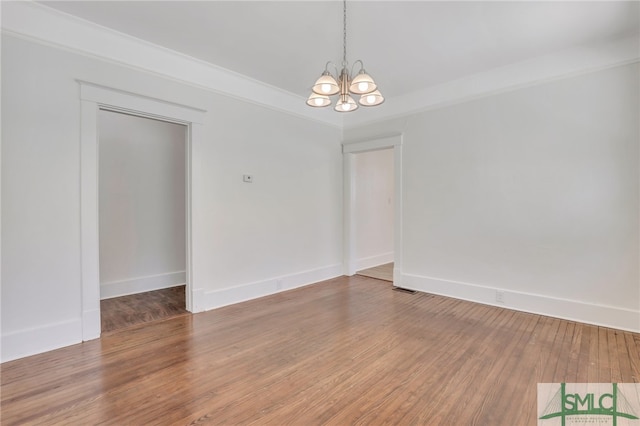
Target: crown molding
(558, 65)
(40, 23)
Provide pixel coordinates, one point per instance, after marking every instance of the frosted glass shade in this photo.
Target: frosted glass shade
(371, 99)
(318, 101)
(326, 85)
(346, 104)
(362, 83)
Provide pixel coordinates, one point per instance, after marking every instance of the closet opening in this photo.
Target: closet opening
(142, 219)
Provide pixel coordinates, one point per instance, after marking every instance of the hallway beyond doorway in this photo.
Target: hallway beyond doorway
(380, 272)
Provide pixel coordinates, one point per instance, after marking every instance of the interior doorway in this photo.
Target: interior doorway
(354, 258)
(373, 212)
(142, 218)
(93, 99)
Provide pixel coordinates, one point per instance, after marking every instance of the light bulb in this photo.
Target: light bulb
(363, 86)
(345, 106)
(326, 87)
(371, 99)
(318, 101)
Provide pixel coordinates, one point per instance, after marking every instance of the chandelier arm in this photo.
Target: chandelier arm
(354, 64)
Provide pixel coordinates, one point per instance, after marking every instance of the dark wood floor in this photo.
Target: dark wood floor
(121, 312)
(346, 351)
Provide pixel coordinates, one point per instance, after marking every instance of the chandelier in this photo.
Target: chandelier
(343, 85)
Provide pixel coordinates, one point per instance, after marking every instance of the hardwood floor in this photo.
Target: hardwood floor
(341, 352)
(380, 272)
(121, 312)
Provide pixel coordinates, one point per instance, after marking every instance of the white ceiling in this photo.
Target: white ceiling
(405, 45)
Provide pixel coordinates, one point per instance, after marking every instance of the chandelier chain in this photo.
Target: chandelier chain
(344, 34)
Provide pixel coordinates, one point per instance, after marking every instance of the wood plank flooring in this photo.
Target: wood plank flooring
(121, 312)
(341, 352)
(380, 272)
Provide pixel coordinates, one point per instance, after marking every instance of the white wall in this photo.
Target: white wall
(142, 204)
(534, 192)
(282, 231)
(373, 207)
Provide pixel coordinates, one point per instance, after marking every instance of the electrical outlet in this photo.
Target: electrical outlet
(247, 178)
(499, 296)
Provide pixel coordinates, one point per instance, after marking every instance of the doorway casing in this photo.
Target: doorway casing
(349, 150)
(94, 98)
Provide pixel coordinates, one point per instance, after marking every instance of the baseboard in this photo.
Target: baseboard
(371, 261)
(601, 315)
(141, 284)
(91, 326)
(33, 341)
(229, 296)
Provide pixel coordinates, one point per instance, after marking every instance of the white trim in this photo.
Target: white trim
(372, 261)
(89, 245)
(371, 144)
(535, 71)
(348, 214)
(195, 295)
(31, 341)
(42, 24)
(93, 98)
(241, 293)
(117, 99)
(573, 310)
(1, 337)
(349, 149)
(90, 322)
(135, 285)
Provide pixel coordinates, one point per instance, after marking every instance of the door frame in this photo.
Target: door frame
(349, 150)
(94, 98)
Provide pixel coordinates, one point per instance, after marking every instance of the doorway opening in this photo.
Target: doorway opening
(373, 208)
(93, 99)
(142, 219)
(373, 212)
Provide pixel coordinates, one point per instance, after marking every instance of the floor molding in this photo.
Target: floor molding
(135, 285)
(228, 296)
(33, 341)
(573, 310)
(371, 261)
